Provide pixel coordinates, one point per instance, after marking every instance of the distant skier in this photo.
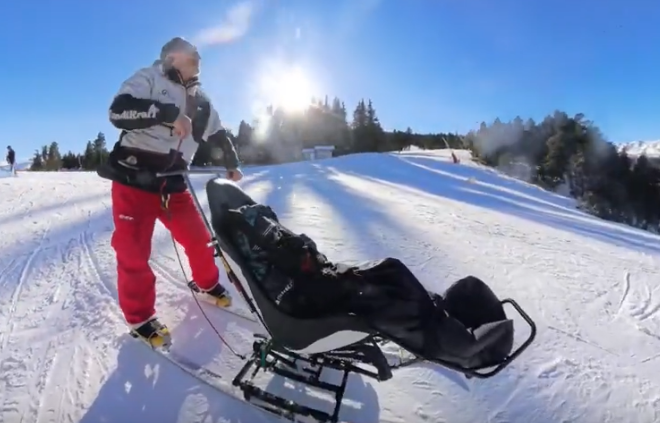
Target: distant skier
(11, 159)
(163, 116)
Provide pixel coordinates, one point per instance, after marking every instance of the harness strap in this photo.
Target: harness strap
(164, 196)
(164, 201)
(291, 255)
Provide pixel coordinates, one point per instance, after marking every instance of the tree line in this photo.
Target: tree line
(49, 158)
(277, 136)
(569, 154)
(561, 153)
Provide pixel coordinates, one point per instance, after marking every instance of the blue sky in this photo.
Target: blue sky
(433, 65)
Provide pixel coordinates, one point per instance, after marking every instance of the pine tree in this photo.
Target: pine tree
(374, 132)
(359, 128)
(89, 157)
(70, 160)
(100, 154)
(54, 158)
(37, 161)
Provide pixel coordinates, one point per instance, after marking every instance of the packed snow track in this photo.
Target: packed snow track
(591, 286)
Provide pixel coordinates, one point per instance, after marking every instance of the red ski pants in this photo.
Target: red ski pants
(135, 213)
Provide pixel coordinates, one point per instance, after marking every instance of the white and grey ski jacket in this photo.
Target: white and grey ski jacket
(146, 106)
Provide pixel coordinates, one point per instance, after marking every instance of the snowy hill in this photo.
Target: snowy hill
(649, 148)
(591, 286)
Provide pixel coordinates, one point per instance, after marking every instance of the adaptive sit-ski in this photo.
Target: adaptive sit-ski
(350, 339)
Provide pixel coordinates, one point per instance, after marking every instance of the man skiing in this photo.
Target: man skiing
(11, 159)
(163, 116)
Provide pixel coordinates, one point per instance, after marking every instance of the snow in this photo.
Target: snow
(637, 148)
(590, 285)
(5, 171)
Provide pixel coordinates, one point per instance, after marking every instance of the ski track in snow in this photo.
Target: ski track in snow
(590, 285)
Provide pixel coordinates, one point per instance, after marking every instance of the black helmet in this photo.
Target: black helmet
(178, 44)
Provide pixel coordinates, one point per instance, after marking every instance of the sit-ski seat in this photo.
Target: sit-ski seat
(473, 335)
(306, 336)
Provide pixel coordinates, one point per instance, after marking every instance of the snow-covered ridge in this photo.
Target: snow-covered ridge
(650, 149)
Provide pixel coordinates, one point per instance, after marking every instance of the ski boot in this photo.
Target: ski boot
(154, 333)
(218, 295)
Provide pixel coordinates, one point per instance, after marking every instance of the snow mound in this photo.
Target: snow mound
(591, 286)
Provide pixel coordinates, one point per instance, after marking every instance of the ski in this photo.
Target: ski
(234, 311)
(219, 383)
(208, 377)
(205, 375)
(237, 313)
(245, 315)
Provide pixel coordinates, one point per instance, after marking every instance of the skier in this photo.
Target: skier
(163, 116)
(11, 159)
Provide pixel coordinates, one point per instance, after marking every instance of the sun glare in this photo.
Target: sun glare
(288, 88)
(294, 91)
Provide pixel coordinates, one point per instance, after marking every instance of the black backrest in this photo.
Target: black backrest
(293, 333)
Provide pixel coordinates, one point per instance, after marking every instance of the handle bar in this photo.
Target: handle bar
(206, 171)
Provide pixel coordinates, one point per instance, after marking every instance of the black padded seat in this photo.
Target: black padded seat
(309, 336)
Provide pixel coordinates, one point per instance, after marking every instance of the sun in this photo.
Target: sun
(294, 91)
(288, 88)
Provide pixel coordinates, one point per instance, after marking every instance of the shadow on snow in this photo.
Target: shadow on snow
(490, 191)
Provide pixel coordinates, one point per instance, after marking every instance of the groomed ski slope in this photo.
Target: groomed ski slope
(591, 286)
